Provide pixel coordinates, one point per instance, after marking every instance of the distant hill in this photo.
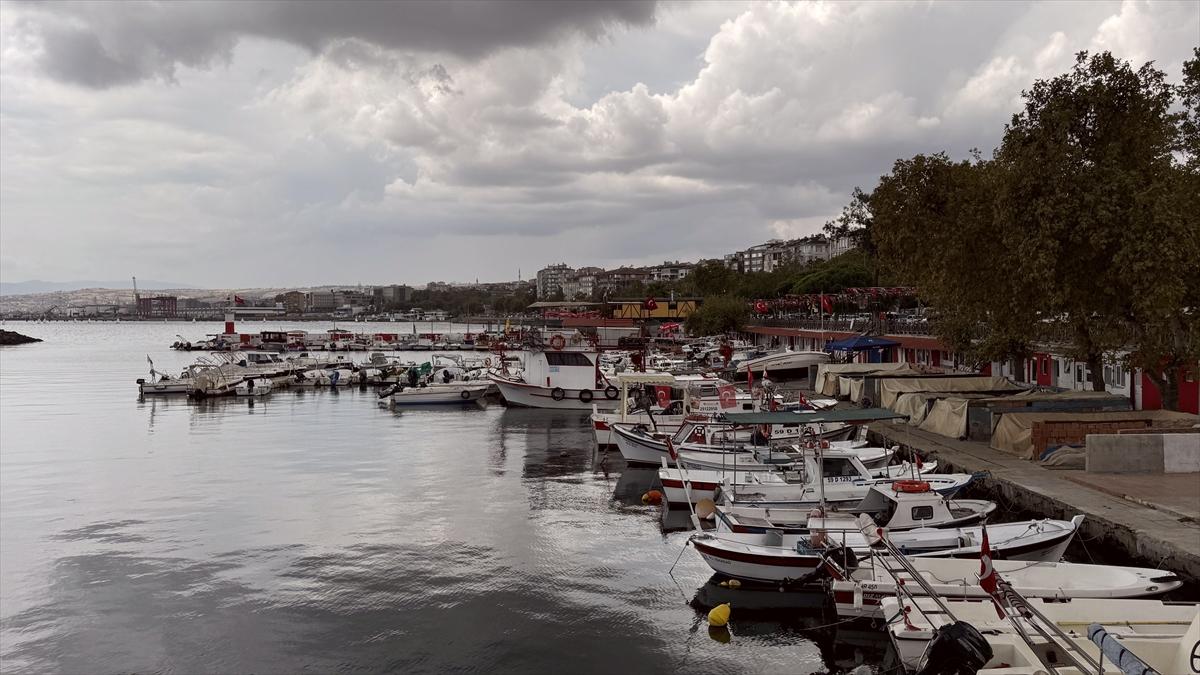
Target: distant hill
(26, 287)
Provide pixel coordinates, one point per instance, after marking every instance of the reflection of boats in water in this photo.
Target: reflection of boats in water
(763, 610)
(633, 483)
(763, 599)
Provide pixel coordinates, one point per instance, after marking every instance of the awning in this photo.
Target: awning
(646, 378)
(849, 416)
(859, 343)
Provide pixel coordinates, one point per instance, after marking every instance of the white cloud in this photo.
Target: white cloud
(360, 158)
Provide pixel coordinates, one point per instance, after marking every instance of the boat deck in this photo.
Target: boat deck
(1152, 518)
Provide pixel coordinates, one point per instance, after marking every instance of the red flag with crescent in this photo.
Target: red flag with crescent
(662, 394)
(727, 396)
(989, 581)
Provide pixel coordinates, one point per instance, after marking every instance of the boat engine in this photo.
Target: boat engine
(956, 649)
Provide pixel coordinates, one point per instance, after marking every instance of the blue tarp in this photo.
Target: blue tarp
(859, 343)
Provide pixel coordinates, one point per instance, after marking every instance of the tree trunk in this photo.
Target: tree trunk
(1168, 387)
(1095, 364)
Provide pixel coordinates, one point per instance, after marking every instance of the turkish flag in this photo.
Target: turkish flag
(989, 581)
(663, 395)
(237, 300)
(826, 304)
(727, 396)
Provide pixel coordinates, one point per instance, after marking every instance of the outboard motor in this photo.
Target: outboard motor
(956, 649)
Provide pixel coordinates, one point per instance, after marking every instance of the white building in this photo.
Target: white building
(550, 280)
(671, 271)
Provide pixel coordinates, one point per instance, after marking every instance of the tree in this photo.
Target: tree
(711, 277)
(1088, 199)
(932, 217)
(718, 315)
(855, 222)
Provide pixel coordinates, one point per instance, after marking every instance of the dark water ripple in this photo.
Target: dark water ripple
(318, 532)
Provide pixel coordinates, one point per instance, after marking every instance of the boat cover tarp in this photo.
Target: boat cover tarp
(828, 374)
(848, 416)
(1014, 431)
(948, 417)
(889, 388)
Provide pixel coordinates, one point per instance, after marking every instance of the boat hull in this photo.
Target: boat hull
(448, 394)
(526, 395)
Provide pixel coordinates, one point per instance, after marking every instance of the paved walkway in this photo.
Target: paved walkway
(1161, 528)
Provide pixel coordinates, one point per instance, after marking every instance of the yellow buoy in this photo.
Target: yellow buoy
(719, 615)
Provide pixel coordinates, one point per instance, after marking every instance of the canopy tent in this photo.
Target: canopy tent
(859, 343)
(828, 374)
(889, 389)
(849, 416)
(1014, 431)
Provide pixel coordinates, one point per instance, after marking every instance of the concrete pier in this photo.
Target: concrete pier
(1154, 519)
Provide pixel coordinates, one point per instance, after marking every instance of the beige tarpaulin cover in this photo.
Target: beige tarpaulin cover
(1014, 430)
(827, 374)
(1035, 395)
(947, 417)
(916, 405)
(854, 385)
(889, 389)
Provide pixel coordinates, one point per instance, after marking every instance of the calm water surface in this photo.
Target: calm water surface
(315, 531)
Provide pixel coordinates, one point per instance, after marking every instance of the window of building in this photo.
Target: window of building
(1057, 369)
(1079, 374)
(1118, 374)
(567, 359)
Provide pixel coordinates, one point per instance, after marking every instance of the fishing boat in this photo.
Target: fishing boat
(641, 445)
(776, 458)
(781, 365)
(776, 557)
(859, 587)
(845, 483)
(259, 386)
(436, 393)
(895, 508)
(562, 373)
(1161, 635)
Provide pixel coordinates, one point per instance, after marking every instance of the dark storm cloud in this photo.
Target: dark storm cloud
(103, 44)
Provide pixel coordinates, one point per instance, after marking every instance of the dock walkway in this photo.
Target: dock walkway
(1152, 518)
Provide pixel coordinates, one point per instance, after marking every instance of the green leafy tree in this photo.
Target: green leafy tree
(1088, 201)
(717, 315)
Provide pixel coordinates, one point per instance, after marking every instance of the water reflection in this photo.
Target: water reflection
(317, 531)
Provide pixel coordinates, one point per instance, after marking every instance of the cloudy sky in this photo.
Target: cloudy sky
(263, 144)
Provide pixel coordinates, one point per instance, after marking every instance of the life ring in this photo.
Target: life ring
(487, 362)
(611, 392)
(911, 486)
(557, 343)
(558, 394)
(465, 394)
(585, 395)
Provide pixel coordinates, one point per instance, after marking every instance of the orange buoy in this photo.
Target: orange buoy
(652, 497)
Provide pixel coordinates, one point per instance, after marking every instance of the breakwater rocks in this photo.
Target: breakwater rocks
(8, 337)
